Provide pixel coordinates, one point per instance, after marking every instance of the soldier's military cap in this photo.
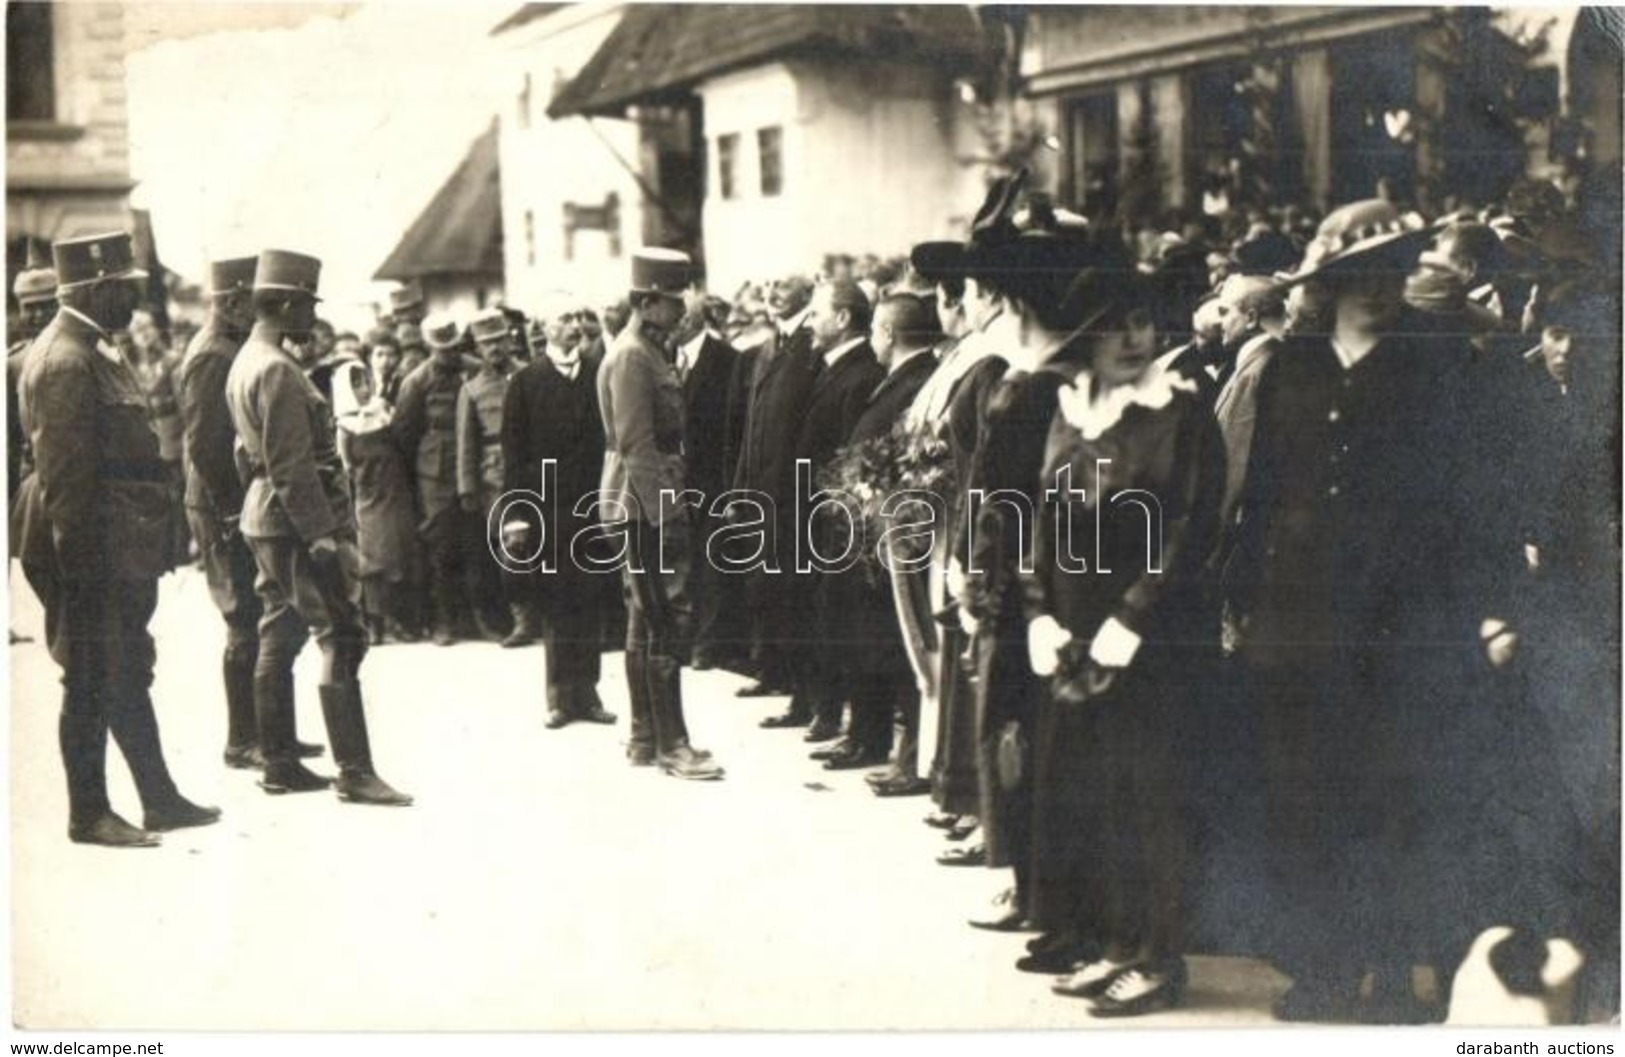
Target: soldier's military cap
(232, 275)
(93, 259)
(286, 270)
(656, 270)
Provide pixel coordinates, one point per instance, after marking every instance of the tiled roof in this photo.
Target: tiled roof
(460, 231)
(659, 50)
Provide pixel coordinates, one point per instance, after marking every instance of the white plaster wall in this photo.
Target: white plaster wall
(554, 162)
(752, 237)
(873, 162)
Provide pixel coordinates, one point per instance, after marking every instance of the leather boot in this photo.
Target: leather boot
(640, 748)
(83, 740)
(347, 729)
(273, 714)
(135, 727)
(524, 630)
(664, 680)
(242, 737)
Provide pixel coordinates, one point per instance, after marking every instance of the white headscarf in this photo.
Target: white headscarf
(353, 416)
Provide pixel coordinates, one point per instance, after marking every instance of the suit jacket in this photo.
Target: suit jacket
(641, 402)
(892, 397)
(212, 484)
(833, 407)
(711, 424)
(777, 401)
(1236, 411)
(548, 416)
(288, 449)
(97, 505)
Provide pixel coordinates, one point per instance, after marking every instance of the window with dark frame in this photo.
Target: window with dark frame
(30, 65)
(770, 153)
(727, 165)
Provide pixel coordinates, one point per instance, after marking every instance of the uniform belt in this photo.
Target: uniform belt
(117, 470)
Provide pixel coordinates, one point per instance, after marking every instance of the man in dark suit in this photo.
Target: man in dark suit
(214, 498)
(1252, 315)
(879, 681)
(706, 365)
(839, 318)
(778, 396)
(641, 403)
(299, 521)
(92, 522)
(550, 414)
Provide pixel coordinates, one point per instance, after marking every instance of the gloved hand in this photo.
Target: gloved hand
(1045, 640)
(1114, 645)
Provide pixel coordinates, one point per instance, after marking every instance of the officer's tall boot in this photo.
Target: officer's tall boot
(346, 721)
(242, 735)
(83, 740)
(134, 726)
(273, 715)
(524, 626)
(640, 747)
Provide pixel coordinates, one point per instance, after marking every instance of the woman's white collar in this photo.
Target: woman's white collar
(1093, 417)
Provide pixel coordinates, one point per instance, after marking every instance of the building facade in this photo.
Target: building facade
(67, 125)
(572, 204)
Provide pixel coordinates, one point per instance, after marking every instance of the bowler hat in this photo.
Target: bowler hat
(442, 331)
(409, 295)
(232, 275)
(938, 260)
(33, 285)
(656, 270)
(489, 325)
(1264, 254)
(287, 270)
(84, 261)
(1370, 234)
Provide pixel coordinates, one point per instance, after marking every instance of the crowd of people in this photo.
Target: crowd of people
(1256, 588)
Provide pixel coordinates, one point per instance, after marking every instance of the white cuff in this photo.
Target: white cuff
(1114, 645)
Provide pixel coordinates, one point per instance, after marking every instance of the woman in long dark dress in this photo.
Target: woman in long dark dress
(1029, 271)
(1133, 477)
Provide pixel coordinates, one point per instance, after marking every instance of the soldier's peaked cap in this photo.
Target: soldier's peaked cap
(232, 275)
(94, 258)
(656, 270)
(287, 270)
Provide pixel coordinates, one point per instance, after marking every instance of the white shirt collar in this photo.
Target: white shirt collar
(833, 355)
(793, 324)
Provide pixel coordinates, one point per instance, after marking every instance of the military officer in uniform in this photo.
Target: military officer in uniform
(91, 522)
(479, 466)
(214, 498)
(641, 402)
(299, 522)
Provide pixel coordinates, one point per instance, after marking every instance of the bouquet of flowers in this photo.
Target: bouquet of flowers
(881, 482)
